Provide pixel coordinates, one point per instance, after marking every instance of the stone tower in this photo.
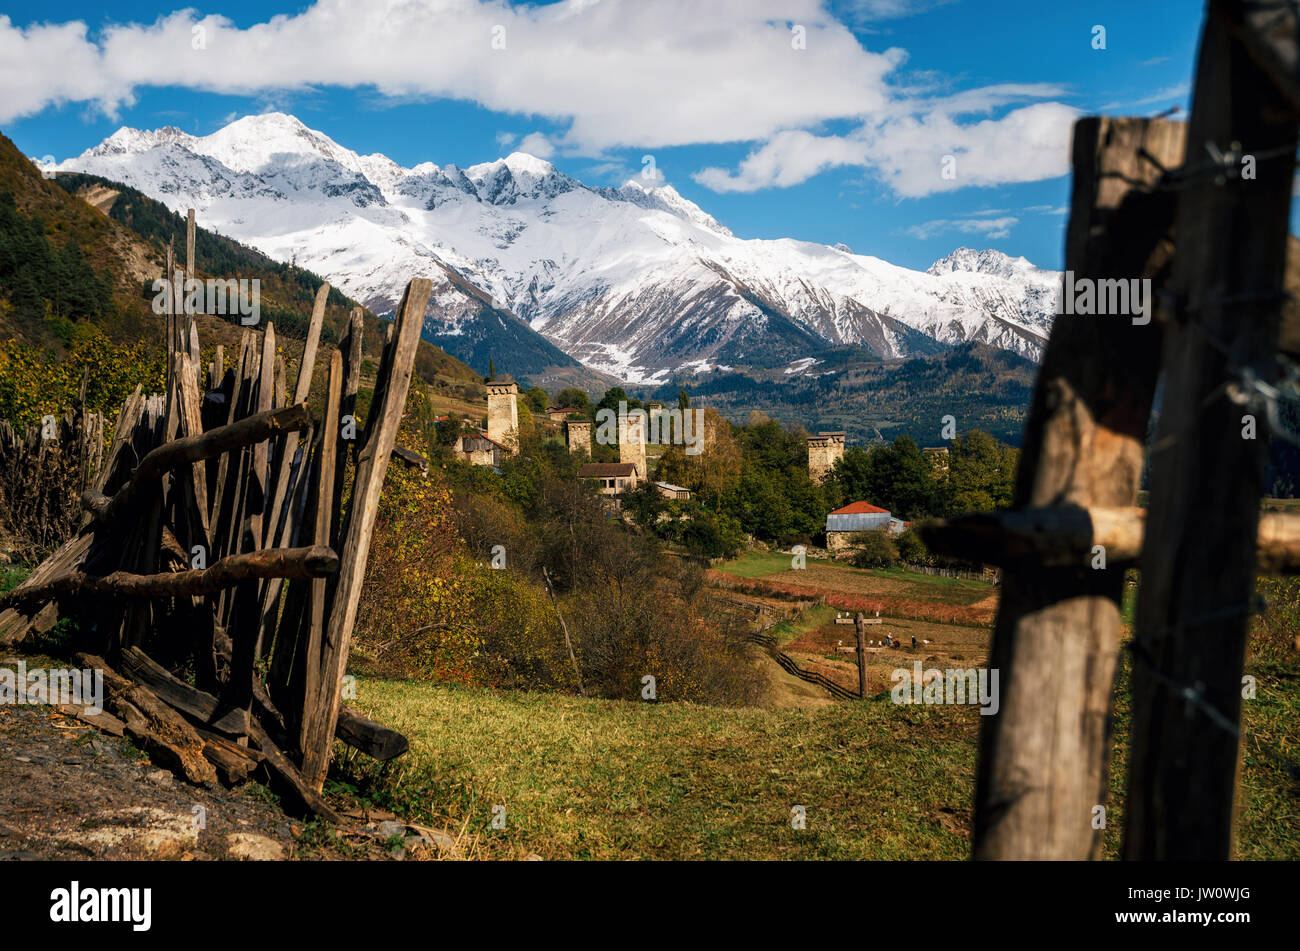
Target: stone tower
(938, 457)
(824, 450)
(503, 414)
(578, 434)
(631, 441)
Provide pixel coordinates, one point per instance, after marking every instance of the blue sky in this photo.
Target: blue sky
(840, 140)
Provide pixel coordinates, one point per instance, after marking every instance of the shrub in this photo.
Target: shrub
(911, 548)
(872, 550)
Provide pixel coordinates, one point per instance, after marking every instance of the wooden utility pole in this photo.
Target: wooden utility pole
(1199, 564)
(862, 654)
(1044, 757)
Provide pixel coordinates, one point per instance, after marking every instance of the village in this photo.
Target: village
(640, 431)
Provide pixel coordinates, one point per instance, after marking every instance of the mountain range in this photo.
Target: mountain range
(547, 276)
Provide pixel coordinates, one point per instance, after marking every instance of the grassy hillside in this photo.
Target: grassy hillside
(629, 779)
(626, 779)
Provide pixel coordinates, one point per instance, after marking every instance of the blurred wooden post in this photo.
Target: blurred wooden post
(1199, 568)
(862, 654)
(1044, 758)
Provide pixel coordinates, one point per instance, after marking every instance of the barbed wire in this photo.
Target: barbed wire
(1194, 694)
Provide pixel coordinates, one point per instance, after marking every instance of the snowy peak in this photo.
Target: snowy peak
(518, 176)
(635, 281)
(127, 140)
(971, 261)
(665, 198)
(255, 144)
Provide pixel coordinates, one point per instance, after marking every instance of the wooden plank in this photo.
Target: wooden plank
(159, 729)
(351, 345)
(301, 391)
(123, 429)
(1060, 536)
(219, 495)
(860, 630)
(312, 562)
(1044, 758)
(251, 430)
(306, 691)
(191, 699)
(191, 425)
(372, 465)
(1199, 567)
(201, 707)
(1068, 535)
(259, 485)
(1267, 33)
(233, 763)
(371, 738)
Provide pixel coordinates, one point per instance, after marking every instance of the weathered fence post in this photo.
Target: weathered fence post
(1044, 757)
(1199, 563)
(394, 379)
(862, 654)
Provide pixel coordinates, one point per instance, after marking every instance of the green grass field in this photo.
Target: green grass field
(759, 564)
(809, 620)
(617, 779)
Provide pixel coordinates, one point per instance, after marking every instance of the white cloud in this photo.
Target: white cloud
(1025, 145)
(788, 158)
(908, 152)
(537, 144)
(612, 74)
(866, 11)
(506, 139)
(986, 227)
(1180, 91)
(621, 72)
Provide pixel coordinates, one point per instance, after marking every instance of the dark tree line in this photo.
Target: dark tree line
(40, 279)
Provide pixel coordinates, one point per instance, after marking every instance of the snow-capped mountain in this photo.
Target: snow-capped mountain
(634, 281)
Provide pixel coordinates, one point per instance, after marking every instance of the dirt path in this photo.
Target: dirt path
(68, 791)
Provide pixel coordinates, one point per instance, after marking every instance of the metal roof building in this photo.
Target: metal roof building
(858, 517)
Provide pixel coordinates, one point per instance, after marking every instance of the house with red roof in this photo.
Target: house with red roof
(855, 517)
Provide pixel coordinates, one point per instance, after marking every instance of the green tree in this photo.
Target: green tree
(537, 399)
(981, 474)
(574, 397)
(873, 550)
(897, 477)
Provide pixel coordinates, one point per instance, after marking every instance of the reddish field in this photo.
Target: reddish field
(979, 613)
(950, 646)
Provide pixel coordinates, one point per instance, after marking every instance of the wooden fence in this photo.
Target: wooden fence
(791, 666)
(218, 541)
(1201, 211)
